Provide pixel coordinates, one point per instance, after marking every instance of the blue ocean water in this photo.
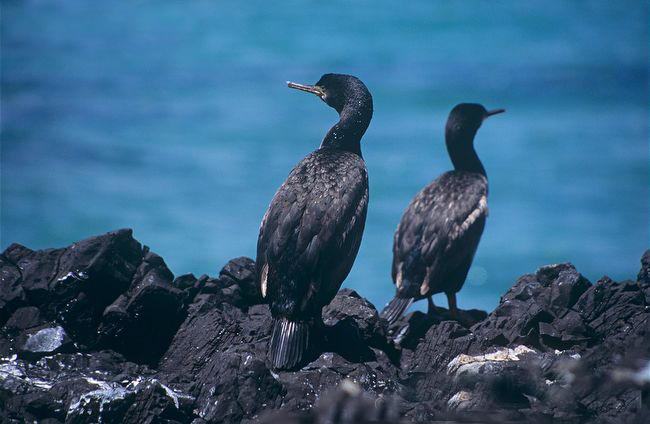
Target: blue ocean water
(174, 119)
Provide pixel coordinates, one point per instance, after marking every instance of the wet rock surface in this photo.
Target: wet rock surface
(101, 331)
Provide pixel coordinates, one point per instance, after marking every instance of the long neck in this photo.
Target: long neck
(347, 133)
(460, 146)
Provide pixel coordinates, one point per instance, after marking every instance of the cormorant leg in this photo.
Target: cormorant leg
(453, 310)
(431, 308)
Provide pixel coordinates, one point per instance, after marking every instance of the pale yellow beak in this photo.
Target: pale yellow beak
(314, 89)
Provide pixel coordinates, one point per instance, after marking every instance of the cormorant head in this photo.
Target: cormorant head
(464, 121)
(466, 118)
(339, 91)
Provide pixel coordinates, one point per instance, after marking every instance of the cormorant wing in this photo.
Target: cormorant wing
(440, 227)
(312, 230)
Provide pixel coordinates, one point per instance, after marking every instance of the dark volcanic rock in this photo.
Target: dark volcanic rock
(537, 312)
(644, 273)
(218, 355)
(71, 286)
(142, 321)
(105, 292)
(550, 351)
(221, 339)
(81, 388)
(12, 294)
(355, 327)
(237, 279)
(101, 331)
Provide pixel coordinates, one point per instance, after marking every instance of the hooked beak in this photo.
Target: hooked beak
(493, 112)
(314, 89)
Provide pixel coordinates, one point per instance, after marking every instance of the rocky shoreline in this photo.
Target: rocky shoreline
(102, 331)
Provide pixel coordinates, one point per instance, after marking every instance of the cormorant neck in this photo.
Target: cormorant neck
(460, 146)
(347, 133)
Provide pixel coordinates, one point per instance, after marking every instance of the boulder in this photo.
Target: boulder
(141, 322)
(73, 285)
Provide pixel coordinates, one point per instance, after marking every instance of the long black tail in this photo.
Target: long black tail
(396, 308)
(289, 343)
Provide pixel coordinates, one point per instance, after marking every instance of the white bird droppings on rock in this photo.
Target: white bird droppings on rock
(472, 364)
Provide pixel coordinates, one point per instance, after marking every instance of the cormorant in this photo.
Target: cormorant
(311, 232)
(436, 239)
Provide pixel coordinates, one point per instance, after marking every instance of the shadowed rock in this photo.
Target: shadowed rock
(74, 285)
(141, 322)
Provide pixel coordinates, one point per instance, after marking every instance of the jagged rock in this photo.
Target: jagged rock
(220, 339)
(22, 323)
(71, 286)
(102, 331)
(408, 331)
(237, 353)
(12, 294)
(354, 328)
(534, 310)
(594, 326)
(618, 314)
(142, 321)
(235, 285)
(216, 327)
(238, 278)
(644, 274)
(24, 318)
(189, 284)
(106, 292)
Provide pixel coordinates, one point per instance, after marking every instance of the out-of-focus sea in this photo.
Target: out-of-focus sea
(174, 119)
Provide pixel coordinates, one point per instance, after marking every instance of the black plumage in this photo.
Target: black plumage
(436, 239)
(311, 232)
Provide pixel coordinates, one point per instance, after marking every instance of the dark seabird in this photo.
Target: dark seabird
(311, 232)
(440, 230)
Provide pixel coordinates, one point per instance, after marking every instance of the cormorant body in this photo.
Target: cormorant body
(438, 234)
(311, 232)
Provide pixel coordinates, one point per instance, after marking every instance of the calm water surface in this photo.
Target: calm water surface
(175, 120)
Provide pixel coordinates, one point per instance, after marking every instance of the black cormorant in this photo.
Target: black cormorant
(311, 232)
(437, 237)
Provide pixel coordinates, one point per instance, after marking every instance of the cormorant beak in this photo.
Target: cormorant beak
(314, 89)
(493, 112)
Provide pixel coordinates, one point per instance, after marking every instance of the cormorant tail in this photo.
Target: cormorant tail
(396, 308)
(289, 343)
